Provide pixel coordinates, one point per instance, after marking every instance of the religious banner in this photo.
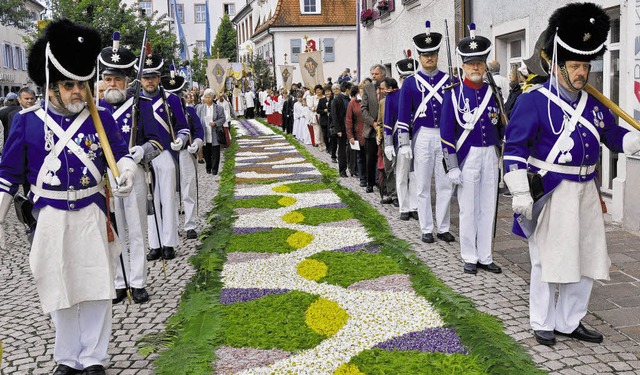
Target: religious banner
(287, 76)
(236, 70)
(217, 74)
(311, 68)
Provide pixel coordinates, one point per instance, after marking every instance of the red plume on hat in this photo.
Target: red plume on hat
(579, 30)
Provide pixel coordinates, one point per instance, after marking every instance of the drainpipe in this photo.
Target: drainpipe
(273, 54)
(358, 2)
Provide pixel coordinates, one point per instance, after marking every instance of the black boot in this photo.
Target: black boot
(95, 370)
(168, 252)
(154, 254)
(66, 370)
(139, 295)
(120, 295)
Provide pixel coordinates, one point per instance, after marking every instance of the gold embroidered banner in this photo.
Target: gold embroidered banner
(311, 68)
(287, 76)
(217, 74)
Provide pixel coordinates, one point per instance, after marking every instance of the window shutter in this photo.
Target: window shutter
(296, 45)
(329, 49)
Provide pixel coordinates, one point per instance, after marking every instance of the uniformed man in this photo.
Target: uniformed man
(555, 130)
(406, 195)
(186, 158)
(131, 212)
(419, 113)
(165, 110)
(57, 150)
(470, 140)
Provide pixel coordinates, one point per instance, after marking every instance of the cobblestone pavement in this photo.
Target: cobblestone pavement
(614, 308)
(27, 334)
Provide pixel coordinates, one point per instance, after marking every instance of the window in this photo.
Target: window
(180, 12)
(310, 7)
(202, 47)
(230, 9)
(24, 59)
(201, 13)
(329, 54)
(17, 58)
(296, 48)
(7, 58)
(147, 7)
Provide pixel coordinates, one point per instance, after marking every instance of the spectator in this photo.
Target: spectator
(337, 126)
(10, 105)
(501, 81)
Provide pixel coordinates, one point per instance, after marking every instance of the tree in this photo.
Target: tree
(199, 68)
(226, 41)
(15, 13)
(262, 71)
(108, 16)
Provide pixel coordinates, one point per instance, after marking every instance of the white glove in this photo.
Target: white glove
(518, 185)
(455, 176)
(194, 146)
(177, 144)
(137, 153)
(631, 143)
(125, 184)
(405, 151)
(389, 152)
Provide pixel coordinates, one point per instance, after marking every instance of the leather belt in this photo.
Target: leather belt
(67, 195)
(582, 170)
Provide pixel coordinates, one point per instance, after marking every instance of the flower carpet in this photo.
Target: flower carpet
(295, 280)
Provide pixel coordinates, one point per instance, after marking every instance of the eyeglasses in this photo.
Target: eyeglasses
(69, 85)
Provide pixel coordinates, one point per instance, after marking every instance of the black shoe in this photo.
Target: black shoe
(446, 237)
(201, 161)
(154, 254)
(414, 215)
(396, 203)
(66, 370)
(191, 234)
(139, 295)
(427, 238)
(470, 268)
(168, 252)
(404, 216)
(334, 160)
(343, 174)
(120, 295)
(369, 189)
(491, 267)
(208, 171)
(584, 334)
(363, 184)
(547, 338)
(94, 370)
(386, 200)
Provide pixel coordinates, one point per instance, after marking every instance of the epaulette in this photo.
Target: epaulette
(34, 107)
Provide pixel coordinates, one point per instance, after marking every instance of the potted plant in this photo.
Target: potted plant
(366, 15)
(383, 5)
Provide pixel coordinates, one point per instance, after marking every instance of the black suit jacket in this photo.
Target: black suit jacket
(338, 115)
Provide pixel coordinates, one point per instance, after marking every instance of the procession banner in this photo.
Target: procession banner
(311, 68)
(286, 71)
(217, 74)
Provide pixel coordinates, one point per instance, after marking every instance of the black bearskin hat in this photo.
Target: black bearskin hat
(71, 49)
(580, 30)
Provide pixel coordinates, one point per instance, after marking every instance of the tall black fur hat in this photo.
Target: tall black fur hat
(428, 42)
(474, 47)
(71, 49)
(580, 30)
(117, 59)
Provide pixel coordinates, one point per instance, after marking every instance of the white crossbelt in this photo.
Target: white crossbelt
(67, 195)
(433, 92)
(480, 109)
(582, 170)
(159, 118)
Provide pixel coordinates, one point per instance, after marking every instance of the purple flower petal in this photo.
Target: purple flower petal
(331, 205)
(442, 340)
(230, 296)
(365, 248)
(250, 230)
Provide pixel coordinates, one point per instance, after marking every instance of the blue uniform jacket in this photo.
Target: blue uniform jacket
(411, 96)
(146, 132)
(24, 155)
(530, 133)
(485, 132)
(390, 118)
(180, 126)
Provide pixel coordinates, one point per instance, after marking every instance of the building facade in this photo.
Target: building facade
(514, 26)
(13, 53)
(278, 30)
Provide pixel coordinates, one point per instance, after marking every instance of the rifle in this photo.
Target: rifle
(452, 82)
(136, 93)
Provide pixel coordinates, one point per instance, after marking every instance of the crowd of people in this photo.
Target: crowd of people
(458, 132)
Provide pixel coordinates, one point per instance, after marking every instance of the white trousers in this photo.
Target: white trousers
(427, 161)
(131, 214)
(477, 200)
(82, 334)
(406, 185)
(544, 312)
(164, 201)
(188, 188)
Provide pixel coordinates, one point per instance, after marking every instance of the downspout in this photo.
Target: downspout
(273, 53)
(358, 2)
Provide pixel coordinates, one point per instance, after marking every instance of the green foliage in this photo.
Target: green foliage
(267, 201)
(268, 241)
(301, 187)
(15, 13)
(263, 72)
(348, 268)
(226, 41)
(199, 68)
(276, 321)
(316, 215)
(107, 16)
(381, 362)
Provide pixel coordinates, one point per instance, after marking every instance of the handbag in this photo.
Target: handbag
(222, 138)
